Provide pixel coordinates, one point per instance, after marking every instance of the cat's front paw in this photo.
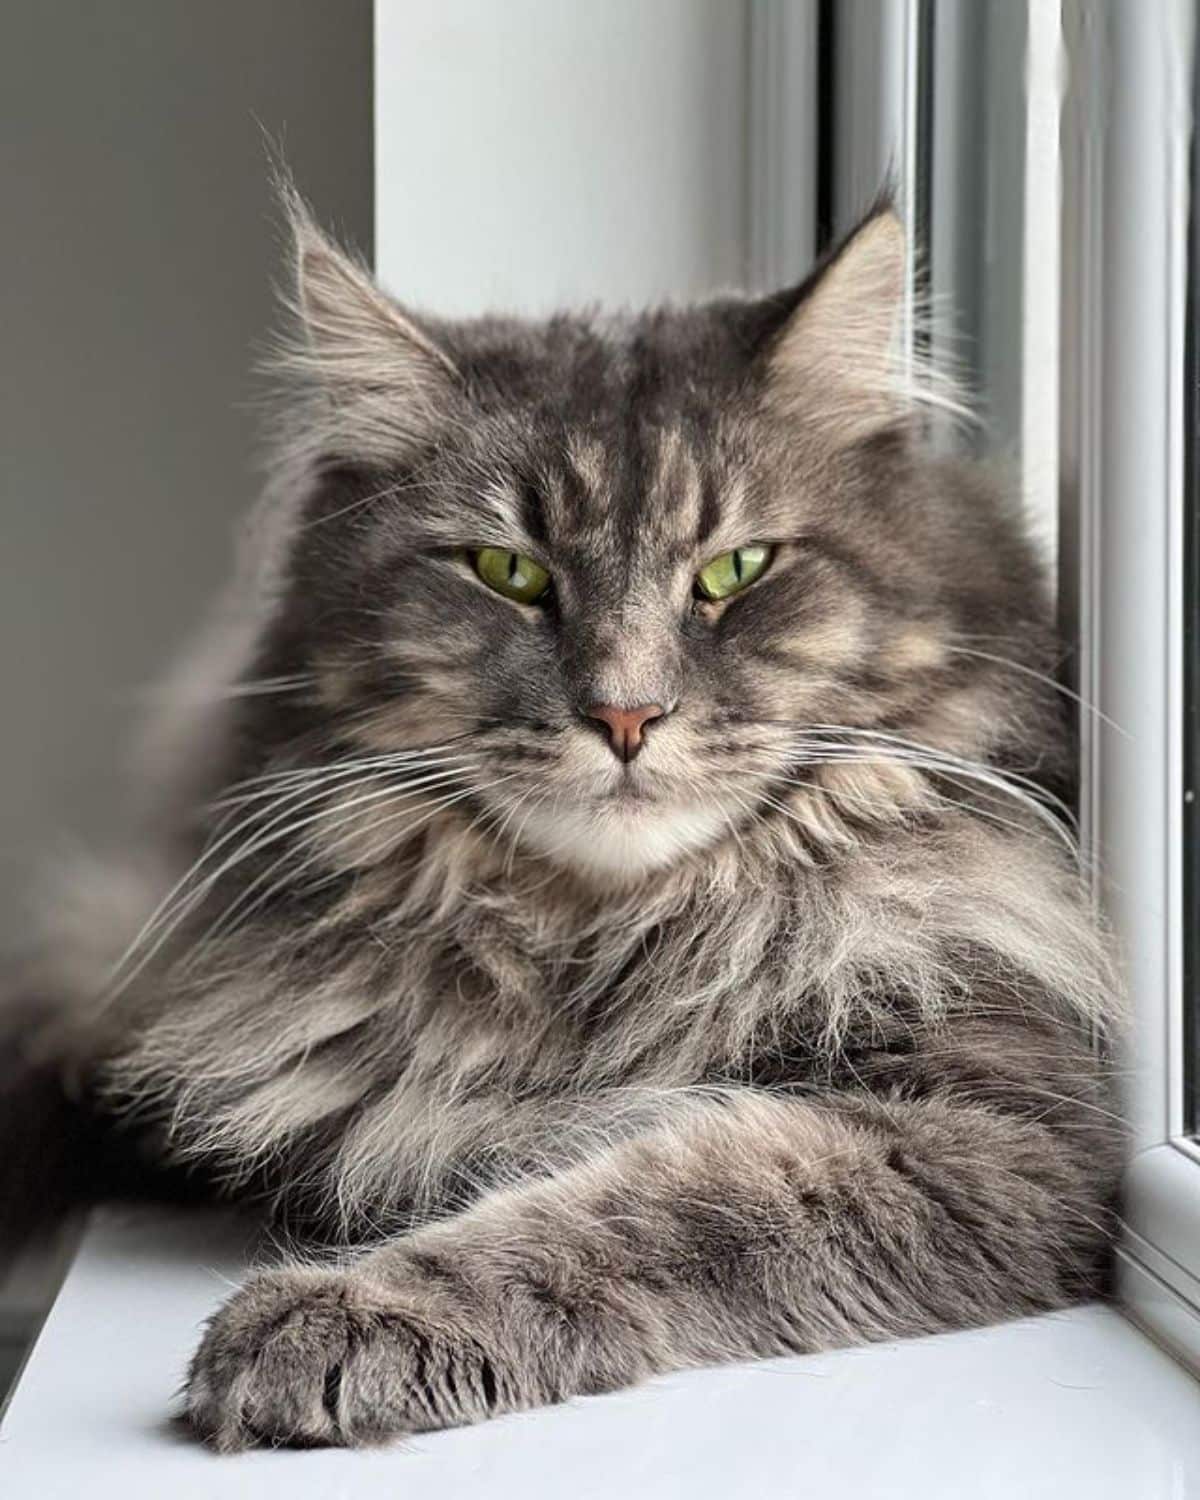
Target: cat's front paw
(308, 1358)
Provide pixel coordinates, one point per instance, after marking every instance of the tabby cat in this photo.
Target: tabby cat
(612, 870)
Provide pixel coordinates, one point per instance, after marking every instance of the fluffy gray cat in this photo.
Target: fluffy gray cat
(611, 871)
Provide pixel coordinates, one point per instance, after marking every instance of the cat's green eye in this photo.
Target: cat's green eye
(733, 571)
(512, 574)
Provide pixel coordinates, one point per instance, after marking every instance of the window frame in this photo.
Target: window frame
(1126, 163)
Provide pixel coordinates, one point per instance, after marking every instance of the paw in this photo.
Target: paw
(311, 1358)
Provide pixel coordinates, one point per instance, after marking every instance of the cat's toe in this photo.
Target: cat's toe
(307, 1358)
(268, 1369)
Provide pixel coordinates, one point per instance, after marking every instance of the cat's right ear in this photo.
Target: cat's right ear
(386, 382)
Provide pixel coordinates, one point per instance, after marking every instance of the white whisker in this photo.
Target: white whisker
(180, 901)
(342, 814)
(1050, 682)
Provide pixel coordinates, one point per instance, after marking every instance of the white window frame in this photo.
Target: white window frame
(1126, 138)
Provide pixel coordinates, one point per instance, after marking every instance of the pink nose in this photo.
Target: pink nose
(625, 725)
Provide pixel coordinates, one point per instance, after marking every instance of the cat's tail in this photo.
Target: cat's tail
(49, 1147)
(59, 1150)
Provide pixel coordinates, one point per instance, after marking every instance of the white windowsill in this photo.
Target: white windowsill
(1077, 1404)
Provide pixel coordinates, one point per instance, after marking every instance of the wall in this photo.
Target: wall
(135, 285)
(536, 152)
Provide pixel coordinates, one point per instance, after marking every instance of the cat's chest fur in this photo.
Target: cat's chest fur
(517, 1031)
(420, 1043)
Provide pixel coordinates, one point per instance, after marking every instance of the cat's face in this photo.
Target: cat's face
(618, 567)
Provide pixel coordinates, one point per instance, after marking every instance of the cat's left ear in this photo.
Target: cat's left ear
(833, 362)
(385, 380)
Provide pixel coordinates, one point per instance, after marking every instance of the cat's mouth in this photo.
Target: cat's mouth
(628, 792)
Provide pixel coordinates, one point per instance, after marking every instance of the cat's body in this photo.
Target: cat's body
(762, 1020)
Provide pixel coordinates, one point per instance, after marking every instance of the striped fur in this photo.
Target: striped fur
(779, 1036)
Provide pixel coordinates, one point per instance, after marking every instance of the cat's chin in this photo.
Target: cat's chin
(623, 840)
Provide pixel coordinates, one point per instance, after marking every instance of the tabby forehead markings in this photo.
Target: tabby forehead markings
(592, 466)
(500, 517)
(674, 490)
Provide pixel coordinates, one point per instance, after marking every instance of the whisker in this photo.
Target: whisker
(942, 800)
(347, 809)
(384, 758)
(816, 744)
(930, 753)
(439, 806)
(178, 902)
(1050, 682)
(327, 774)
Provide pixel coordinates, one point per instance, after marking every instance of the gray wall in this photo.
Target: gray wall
(136, 259)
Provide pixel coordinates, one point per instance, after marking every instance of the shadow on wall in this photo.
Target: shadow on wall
(139, 252)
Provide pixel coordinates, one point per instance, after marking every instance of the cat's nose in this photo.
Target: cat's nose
(625, 725)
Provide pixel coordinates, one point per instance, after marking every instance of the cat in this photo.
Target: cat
(611, 870)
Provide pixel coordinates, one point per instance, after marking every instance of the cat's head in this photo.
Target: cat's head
(621, 579)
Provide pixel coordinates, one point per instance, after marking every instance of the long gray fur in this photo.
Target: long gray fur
(783, 1036)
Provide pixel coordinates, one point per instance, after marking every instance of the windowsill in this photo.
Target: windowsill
(1075, 1404)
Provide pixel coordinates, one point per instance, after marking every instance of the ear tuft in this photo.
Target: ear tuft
(383, 380)
(835, 359)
